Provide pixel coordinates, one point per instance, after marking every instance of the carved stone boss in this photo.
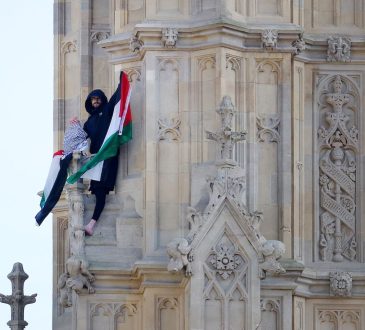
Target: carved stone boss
(17, 300)
(340, 284)
(338, 146)
(339, 49)
(77, 275)
(269, 39)
(169, 37)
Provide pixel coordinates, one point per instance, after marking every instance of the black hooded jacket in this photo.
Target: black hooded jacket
(96, 128)
(98, 122)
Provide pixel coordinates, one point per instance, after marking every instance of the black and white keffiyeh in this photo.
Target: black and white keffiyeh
(75, 139)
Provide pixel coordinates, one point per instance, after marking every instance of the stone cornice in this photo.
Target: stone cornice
(235, 35)
(209, 34)
(144, 274)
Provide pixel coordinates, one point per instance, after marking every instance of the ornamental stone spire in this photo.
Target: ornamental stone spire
(17, 300)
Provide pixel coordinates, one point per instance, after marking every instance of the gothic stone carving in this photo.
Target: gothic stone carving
(76, 278)
(272, 250)
(340, 284)
(96, 36)
(135, 44)
(268, 126)
(118, 315)
(226, 137)
(179, 253)
(169, 37)
(335, 318)
(69, 46)
(339, 49)
(225, 260)
(338, 146)
(226, 282)
(272, 306)
(169, 129)
(269, 39)
(77, 275)
(299, 44)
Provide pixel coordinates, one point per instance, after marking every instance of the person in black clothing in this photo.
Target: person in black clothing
(96, 127)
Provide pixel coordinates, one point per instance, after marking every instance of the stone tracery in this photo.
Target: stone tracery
(338, 144)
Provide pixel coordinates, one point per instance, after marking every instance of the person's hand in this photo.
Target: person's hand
(74, 120)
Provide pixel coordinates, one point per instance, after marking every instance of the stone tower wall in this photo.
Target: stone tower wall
(294, 71)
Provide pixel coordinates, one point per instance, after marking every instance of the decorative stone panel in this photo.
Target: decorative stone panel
(338, 151)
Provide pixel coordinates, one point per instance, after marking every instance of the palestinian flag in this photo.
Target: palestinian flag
(119, 132)
(55, 182)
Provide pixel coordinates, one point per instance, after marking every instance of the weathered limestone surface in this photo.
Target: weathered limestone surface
(193, 234)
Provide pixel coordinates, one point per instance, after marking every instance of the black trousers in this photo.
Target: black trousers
(100, 195)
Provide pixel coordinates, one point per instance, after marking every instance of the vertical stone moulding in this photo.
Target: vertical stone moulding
(168, 152)
(268, 105)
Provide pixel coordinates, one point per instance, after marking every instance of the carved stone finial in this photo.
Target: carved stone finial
(269, 39)
(179, 253)
(17, 300)
(340, 284)
(226, 137)
(135, 44)
(339, 49)
(299, 44)
(169, 37)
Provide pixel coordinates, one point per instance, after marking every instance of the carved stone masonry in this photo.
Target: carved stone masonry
(179, 252)
(340, 284)
(338, 143)
(77, 275)
(229, 183)
(299, 44)
(225, 260)
(272, 251)
(226, 137)
(96, 36)
(169, 37)
(17, 300)
(339, 49)
(169, 129)
(269, 39)
(135, 44)
(268, 127)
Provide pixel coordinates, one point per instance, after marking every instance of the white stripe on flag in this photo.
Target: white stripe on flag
(125, 111)
(52, 175)
(94, 173)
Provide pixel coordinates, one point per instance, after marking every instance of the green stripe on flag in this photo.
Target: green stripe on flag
(43, 200)
(108, 150)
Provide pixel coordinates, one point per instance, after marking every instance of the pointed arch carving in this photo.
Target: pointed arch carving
(206, 61)
(271, 313)
(274, 64)
(69, 47)
(167, 313)
(134, 74)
